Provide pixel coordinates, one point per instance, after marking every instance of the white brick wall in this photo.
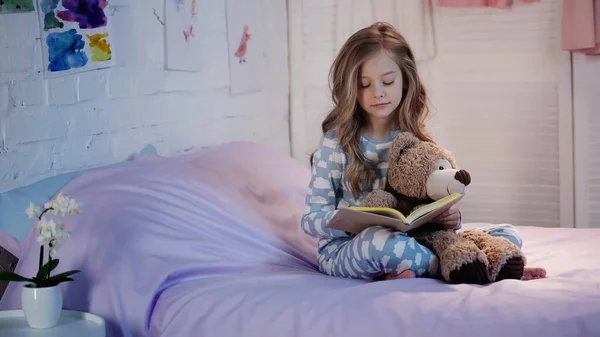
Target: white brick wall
(96, 118)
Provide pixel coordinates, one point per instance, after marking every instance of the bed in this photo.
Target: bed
(209, 244)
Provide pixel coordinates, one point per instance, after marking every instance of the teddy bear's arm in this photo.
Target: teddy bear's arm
(379, 198)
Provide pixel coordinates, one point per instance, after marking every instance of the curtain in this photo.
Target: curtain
(481, 3)
(581, 26)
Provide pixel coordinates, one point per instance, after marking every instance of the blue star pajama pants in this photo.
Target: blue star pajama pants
(379, 250)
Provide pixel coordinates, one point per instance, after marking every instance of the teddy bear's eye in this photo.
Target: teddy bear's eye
(443, 164)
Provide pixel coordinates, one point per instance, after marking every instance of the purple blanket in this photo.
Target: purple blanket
(209, 244)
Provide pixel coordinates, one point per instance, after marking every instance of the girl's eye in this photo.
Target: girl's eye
(363, 86)
(388, 83)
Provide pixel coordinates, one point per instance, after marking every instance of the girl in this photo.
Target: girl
(376, 92)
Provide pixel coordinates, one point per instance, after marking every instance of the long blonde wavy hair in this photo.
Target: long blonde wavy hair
(348, 118)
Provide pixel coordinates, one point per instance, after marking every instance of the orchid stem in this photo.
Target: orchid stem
(41, 256)
(42, 246)
(49, 259)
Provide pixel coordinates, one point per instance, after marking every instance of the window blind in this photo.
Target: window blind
(498, 83)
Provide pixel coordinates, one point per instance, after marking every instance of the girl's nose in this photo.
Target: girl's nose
(379, 92)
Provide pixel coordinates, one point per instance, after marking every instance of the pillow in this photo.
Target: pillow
(13, 203)
(10, 243)
(8, 262)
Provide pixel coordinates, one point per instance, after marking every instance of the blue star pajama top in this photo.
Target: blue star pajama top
(376, 251)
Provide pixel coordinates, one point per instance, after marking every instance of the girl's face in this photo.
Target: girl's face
(379, 86)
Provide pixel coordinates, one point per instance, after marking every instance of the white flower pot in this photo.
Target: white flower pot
(41, 306)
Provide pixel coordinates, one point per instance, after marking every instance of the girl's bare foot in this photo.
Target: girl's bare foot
(530, 273)
(404, 274)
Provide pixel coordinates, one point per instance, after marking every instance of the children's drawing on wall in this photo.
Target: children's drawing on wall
(186, 12)
(241, 51)
(183, 39)
(189, 20)
(16, 6)
(245, 36)
(194, 32)
(76, 36)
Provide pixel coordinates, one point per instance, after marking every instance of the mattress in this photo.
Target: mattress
(279, 300)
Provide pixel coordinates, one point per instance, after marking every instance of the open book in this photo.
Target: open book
(355, 219)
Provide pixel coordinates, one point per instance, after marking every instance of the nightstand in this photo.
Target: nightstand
(70, 324)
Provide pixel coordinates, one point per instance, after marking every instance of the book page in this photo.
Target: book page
(443, 203)
(394, 213)
(357, 219)
(427, 217)
(354, 221)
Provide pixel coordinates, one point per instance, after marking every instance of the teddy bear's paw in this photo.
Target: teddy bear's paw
(463, 262)
(379, 198)
(512, 269)
(471, 273)
(506, 260)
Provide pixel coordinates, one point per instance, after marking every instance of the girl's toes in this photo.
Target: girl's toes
(534, 273)
(404, 274)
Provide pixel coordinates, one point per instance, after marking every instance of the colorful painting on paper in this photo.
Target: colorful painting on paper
(16, 6)
(245, 36)
(76, 36)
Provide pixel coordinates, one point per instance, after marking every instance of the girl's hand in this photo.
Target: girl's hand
(448, 219)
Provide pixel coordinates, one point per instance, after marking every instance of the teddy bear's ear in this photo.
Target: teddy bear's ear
(402, 142)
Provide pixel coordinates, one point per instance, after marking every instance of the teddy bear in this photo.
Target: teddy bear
(421, 172)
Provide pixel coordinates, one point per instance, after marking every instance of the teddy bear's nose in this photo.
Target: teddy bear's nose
(463, 176)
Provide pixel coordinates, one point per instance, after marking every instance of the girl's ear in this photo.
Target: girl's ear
(402, 142)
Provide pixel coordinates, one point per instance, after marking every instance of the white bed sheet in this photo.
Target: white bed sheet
(285, 301)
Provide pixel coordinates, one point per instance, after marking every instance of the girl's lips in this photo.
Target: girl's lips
(379, 106)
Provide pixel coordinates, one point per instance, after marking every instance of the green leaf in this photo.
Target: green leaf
(56, 282)
(52, 283)
(43, 272)
(9, 276)
(62, 275)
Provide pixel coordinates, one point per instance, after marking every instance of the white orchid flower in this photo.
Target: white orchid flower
(33, 211)
(74, 207)
(62, 205)
(45, 229)
(51, 232)
(52, 251)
